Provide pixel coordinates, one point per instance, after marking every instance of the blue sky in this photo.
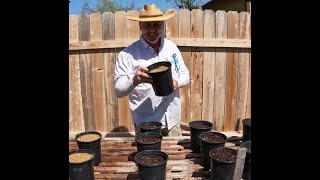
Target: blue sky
(75, 5)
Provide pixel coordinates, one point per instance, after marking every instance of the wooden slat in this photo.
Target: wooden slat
(208, 67)
(133, 26)
(133, 33)
(172, 27)
(111, 99)
(185, 92)
(248, 103)
(123, 103)
(196, 65)
(220, 73)
(188, 42)
(76, 122)
(108, 26)
(84, 28)
(98, 73)
(231, 74)
(86, 90)
(86, 75)
(108, 32)
(244, 61)
(241, 156)
(120, 21)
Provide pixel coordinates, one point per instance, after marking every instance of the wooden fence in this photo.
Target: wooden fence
(216, 48)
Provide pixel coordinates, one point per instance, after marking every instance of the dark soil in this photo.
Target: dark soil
(213, 138)
(199, 125)
(151, 160)
(223, 155)
(247, 121)
(149, 126)
(148, 139)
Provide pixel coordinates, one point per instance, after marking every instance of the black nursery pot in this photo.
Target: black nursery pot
(151, 126)
(246, 129)
(196, 128)
(247, 164)
(151, 164)
(208, 141)
(222, 169)
(82, 170)
(94, 146)
(162, 80)
(148, 141)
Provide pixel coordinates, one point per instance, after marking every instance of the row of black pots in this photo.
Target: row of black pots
(83, 170)
(151, 161)
(204, 140)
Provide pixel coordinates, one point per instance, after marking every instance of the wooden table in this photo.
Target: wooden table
(118, 158)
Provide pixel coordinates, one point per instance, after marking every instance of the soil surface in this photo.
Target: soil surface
(247, 121)
(88, 137)
(213, 138)
(149, 126)
(200, 125)
(223, 155)
(159, 69)
(79, 157)
(151, 160)
(148, 139)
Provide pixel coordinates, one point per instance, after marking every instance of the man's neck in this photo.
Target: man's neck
(156, 46)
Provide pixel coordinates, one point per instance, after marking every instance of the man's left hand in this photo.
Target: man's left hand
(175, 84)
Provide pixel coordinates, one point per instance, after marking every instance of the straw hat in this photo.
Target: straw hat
(152, 13)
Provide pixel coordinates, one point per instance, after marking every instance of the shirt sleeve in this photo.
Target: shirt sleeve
(183, 75)
(123, 76)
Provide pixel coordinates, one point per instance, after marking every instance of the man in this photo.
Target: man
(131, 79)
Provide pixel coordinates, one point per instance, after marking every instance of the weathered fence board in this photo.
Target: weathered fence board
(220, 72)
(209, 56)
(232, 69)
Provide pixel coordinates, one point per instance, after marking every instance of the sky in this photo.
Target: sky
(76, 5)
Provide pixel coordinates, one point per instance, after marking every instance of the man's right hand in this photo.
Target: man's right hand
(141, 76)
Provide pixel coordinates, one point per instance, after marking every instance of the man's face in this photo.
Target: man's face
(151, 31)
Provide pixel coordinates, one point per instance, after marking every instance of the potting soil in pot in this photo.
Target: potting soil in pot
(81, 164)
(208, 141)
(223, 163)
(196, 128)
(88, 137)
(90, 140)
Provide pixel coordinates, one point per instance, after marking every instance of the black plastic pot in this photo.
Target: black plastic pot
(195, 132)
(142, 146)
(151, 171)
(222, 170)
(246, 129)
(162, 81)
(94, 146)
(206, 147)
(156, 127)
(247, 165)
(83, 170)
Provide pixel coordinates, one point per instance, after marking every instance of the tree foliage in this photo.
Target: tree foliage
(187, 4)
(106, 6)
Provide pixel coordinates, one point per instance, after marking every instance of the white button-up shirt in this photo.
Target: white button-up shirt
(144, 104)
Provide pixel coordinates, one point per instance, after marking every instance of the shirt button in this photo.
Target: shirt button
(165, 99)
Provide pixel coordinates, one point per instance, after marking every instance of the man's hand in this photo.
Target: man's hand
(141, 76)
(175, 84)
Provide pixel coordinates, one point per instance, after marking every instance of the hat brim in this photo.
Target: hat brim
(169, 14)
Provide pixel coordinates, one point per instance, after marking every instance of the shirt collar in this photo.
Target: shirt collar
(146, 45)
